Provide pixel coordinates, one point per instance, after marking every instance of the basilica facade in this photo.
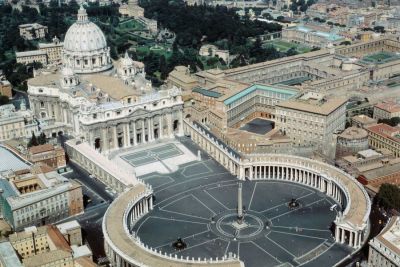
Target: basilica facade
(105, 103)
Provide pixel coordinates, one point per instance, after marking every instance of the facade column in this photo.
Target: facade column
(134, 134)
(128, 133)
(115, 138)
(180, 122)
(91, 138)
(105, 139)
(161, 127)
(150, 129)
(143, 133)
(170, 129)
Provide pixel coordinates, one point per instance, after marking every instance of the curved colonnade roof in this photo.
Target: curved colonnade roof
(358, 212)
(114, 231)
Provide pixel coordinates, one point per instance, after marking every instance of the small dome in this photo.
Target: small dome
(126, 61)
(84, 35)
(66, 71)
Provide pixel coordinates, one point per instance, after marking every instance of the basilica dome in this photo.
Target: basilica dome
(84, 37)
(85, 47)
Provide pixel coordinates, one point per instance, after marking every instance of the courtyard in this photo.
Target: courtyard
(258, 126)
(198, 203)
(380, 57)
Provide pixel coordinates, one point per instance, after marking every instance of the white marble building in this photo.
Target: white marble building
(109, 104)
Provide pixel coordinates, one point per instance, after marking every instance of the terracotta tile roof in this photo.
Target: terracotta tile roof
(41, 148)
(388, 106)
(386, 131)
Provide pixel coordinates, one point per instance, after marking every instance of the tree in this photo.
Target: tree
(42, 139)
(345, 42)
(291, 52)
(389, 196)
(33, 141)
(392, 121)
(4, 100)
(379, 29)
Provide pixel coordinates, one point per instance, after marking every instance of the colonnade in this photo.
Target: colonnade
(295, 174)
(140, 208)
(349, 236)
(137, 131)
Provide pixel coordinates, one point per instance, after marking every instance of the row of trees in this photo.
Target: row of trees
(35, 141)
(195, 25)
(389, 196)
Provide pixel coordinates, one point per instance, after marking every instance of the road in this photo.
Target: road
(92, 218)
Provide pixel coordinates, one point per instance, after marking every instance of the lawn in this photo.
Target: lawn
(160, 50)
(381, 57)
(283, 46)
(130, 25)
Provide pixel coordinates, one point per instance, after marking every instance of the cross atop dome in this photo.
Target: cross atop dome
(82, 15)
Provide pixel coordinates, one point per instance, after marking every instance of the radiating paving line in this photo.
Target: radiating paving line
(176, 220)
(204, 204)
(266, 252)
(192, 235)
(302, 228)
(216, 200)
(252, 195)
(287, 251)
(186, 191)
(312, 203)
(269, 209)
(187, 215)
(313, 237)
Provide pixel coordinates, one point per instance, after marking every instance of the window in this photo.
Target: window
(41, 104)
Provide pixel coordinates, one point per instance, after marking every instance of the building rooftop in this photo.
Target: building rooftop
(313, 103)
(390, 168)
(275, 89)
(354, 133)
(120, 174)
(112, 86)
(64, 227)
(386, 131)
(10, 161)
(31, 53)
(364, 119)
(8, 256)
(32, 25)
(390, 235)
(390, 107)
(206, 92)
(41, 148)
(46, 258)
(81, 251)
(369, 153)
